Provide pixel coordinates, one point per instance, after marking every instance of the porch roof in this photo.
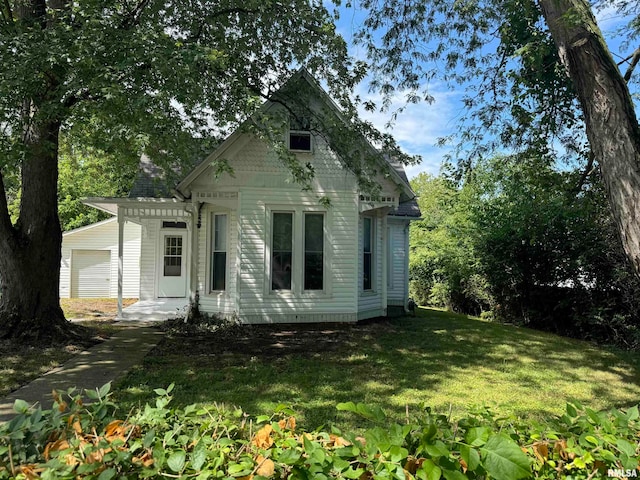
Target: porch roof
(111, 204)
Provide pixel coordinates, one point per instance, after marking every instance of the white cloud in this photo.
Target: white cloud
(418, 127)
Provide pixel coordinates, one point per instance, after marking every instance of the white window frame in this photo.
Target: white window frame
(372, 233)
(324, 250)
(301, 132)
(294, 262)
(297, 258)
(211, 251)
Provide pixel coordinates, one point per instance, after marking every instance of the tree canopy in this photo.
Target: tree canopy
(542, 77)
(119, 78)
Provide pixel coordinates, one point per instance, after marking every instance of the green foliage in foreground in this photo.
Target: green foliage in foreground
(74, 440)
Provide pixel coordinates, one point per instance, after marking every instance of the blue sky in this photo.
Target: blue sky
(419, 126)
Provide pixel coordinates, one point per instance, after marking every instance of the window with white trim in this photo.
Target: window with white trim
(300, 134)
(367, 253)
(281, 250)
(218, 281)
(313, 251)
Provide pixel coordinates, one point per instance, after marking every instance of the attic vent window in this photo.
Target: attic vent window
(300, 134)
(174, 225)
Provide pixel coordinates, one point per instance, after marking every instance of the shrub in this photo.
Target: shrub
(74, 440)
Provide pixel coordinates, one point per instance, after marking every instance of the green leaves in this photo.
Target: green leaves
(213, 442)
(504, 460)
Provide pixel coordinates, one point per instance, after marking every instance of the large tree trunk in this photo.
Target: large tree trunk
(612, 125)
(31, 250)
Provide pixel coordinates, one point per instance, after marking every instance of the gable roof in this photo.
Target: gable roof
(396, 171)
(149, 181)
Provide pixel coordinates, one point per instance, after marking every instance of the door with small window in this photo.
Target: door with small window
(172, 280)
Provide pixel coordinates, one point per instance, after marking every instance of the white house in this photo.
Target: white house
(89, 266)
(251, 244)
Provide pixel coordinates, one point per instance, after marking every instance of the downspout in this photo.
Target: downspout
(196, 222)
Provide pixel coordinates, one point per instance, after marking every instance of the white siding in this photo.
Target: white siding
(104, 236)
(397, 288)
(149, 258)
(217, 302)
(337, 302)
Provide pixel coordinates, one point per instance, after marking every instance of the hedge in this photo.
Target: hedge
(94, 440)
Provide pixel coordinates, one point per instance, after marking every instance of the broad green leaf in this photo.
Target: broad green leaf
(107, 474)
(438, 449)
(454, 475)
(199, 455)
(633, 413)
(20, 406)
(289, 457)
(504, 460)
(571, 410)
(626, 447)
(430, 470)
(149, 438)
(104, 390)
(591, 439)
(477, 436)
(470, 456)
(177, 460)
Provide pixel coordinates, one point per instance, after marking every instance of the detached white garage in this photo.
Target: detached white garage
(89, 267)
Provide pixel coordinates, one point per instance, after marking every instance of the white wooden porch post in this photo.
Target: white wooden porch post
(121, 221)
(195, 234)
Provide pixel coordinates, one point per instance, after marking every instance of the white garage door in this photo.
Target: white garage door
(90, 273)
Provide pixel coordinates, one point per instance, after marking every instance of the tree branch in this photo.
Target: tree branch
(6, 228)
(132, 18)
(635, 56)
(7, 13)
(588, 170)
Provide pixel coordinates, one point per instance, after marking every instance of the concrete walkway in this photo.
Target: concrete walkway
(88, 370)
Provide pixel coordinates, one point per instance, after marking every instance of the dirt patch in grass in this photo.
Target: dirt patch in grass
(307, 340)
(93, 308)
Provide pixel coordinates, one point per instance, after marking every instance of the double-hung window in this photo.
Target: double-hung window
(313, 251)
(297, 252)
(218, 252)
(367, 253)
(282, 251)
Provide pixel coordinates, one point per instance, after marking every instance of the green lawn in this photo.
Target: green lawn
(437, 358)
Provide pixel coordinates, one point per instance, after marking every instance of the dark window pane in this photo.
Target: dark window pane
(313, 268)
(313, 232)
(300, 141)
(219, 269)
(281, 271)
(282, 231)
(366, 284)
(366, 234)
(174, 225)
(282, 249)
(172, 266)
(313, 251)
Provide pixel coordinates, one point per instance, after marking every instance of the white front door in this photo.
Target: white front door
(172, 281)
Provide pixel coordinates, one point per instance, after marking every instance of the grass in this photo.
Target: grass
(93, 308)
(20, 364)
(439, 359)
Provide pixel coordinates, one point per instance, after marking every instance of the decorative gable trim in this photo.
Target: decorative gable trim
(368, 203)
